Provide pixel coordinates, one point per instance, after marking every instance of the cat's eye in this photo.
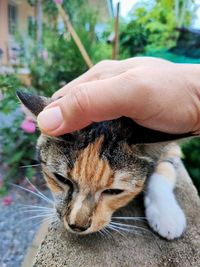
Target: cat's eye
(63, 180)
(113, 191)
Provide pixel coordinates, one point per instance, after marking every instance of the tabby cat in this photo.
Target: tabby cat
(95, 171)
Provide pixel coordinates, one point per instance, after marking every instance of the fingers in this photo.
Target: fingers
(66, 89)
(90, 102)
(109, 68)
(103, 70)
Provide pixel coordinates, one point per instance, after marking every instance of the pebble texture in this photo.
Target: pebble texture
(17, 229)
(146, 249)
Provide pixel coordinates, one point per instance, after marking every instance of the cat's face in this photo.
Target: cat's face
(97, 170)
(91, 175)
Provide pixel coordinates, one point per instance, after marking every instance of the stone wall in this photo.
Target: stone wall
(143, 249)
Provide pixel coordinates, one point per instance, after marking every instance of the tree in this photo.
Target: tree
(154, 26)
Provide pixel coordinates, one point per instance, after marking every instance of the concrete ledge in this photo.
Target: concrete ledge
(32, 250)
(60, 248)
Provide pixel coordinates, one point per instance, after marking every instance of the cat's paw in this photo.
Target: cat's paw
(165, 217)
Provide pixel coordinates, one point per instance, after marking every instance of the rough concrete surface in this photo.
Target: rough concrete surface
(60, 248)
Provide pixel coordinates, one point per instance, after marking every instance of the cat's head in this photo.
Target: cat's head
(95, 171)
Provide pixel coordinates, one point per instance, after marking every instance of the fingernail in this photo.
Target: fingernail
(50, 119)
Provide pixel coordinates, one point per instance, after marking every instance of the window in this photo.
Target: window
(31, 26)
(12, 18)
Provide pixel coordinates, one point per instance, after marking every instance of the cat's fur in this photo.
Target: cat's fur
(95, 171)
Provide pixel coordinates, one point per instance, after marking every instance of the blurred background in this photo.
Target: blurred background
(46, 44)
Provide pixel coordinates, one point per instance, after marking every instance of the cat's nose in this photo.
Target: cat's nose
(78, 228)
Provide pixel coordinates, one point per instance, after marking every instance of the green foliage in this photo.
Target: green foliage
(192, 160)
(150, 32)
(162, 53)
(73, 8)
(59, 62)
(152, 27)
(8, 85)
(63, 64)
(17, 148)
(63, 61)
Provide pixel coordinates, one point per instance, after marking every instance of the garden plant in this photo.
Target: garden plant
(150, 30)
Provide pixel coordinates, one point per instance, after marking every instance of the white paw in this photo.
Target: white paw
(165, 216)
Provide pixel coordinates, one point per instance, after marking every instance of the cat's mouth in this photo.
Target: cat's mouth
(82, 230)
(77, 229)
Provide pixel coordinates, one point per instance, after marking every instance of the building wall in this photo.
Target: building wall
(24, 10)
(4, 29)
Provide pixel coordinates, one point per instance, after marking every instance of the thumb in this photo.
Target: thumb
(89, 102)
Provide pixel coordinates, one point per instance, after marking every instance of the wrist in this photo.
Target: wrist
(192, 74)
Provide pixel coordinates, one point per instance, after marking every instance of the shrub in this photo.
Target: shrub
(61, 61)
(152, 25)
(17, 137)
(192, 160)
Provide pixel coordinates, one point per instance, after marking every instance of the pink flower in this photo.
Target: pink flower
(7, 200)
(58, 1)
(28, 126)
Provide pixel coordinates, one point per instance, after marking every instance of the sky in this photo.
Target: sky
(197, 20)
(126, 6)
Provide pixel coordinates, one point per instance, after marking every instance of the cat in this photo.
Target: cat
(99, 169)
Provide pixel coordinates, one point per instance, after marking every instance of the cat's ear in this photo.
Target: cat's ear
(34, 103)
(137, 134)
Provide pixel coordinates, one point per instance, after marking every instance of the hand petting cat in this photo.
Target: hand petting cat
(155, 93)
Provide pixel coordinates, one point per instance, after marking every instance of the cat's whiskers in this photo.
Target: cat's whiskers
(39, 165)
(107, 232)
(116, 230)
(45, 216)
(44, 220)
(129, 227)
(39, 194)
(35, 211)
(118, 226)
(130, 218)
(38, 212)
(122, 229)
(22, 206)
(38, 191)
(102, 234)
(30, 166)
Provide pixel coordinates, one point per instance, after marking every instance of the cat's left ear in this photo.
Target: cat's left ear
(34, 103)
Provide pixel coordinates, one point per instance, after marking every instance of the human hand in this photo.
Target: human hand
(155, 93)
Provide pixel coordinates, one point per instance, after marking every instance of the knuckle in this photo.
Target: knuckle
(80, 99)
(104, 63)
(140, 78)
(98, 71)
